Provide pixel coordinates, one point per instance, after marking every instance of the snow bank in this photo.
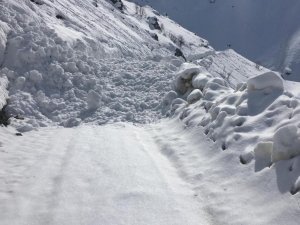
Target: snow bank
(259, 115)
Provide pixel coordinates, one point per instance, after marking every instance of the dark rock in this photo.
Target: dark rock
(38, 2)
(179, 53)
(153, 23)
(118, 4)
(154, 36)
(60, 17)
(4, 117)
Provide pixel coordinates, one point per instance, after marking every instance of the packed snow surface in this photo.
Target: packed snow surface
(123, 174)
(105, 175)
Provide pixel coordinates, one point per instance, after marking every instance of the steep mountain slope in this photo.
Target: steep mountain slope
(267, 32)
(66, 59)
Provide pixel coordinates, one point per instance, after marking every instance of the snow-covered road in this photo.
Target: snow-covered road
(102, 175)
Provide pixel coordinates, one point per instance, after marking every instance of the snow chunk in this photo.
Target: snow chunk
(246, 158)
(72, 122)
(35, 76)
(93, 100)
(194, 96)
(184, 76)
(262, 154)
(266, 80)
(286, 143)
(199, 81)
(169, 97)
(187, 71)
(20, 81)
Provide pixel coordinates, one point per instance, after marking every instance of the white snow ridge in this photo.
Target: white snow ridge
(113, 114)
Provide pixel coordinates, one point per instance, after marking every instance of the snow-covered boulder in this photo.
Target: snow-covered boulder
(184, 77)
(286, 143)
(194, 96)
(268, 80)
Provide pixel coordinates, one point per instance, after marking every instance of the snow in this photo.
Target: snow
(115, 129)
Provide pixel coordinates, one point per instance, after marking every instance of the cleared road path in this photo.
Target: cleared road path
(92, 175)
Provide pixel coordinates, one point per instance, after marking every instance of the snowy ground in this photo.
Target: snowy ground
(111, 174)
(124, 174)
